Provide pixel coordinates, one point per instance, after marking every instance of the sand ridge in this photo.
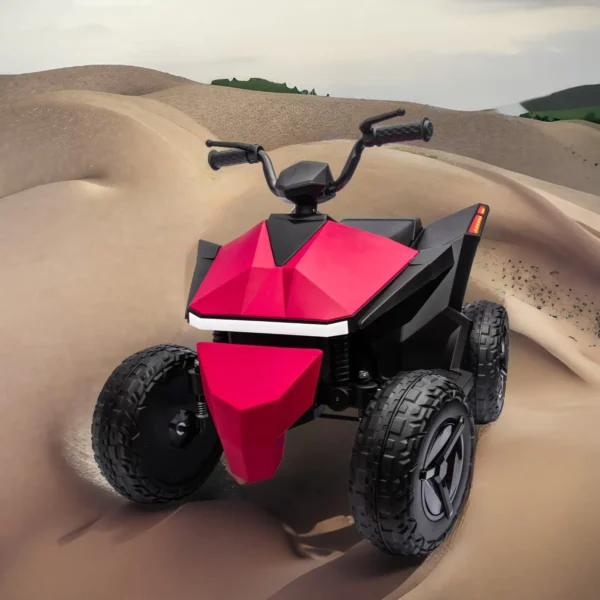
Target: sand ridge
(116, 79)
(102, 201)
(563, 153)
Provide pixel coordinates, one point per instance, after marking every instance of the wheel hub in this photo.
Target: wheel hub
(443, 471)
(183, 428)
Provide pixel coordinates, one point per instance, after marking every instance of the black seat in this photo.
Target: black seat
(403, 231)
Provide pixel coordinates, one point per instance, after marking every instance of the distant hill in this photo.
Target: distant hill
(587, 113)
(262, 85)
(578, 103)
(583, 96)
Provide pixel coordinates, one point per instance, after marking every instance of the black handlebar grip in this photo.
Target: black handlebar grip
(403, 132)
(226, 158)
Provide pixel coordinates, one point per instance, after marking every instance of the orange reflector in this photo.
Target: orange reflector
(476, 224)
(481, 210)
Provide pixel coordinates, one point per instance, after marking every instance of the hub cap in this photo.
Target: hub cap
(172, 442)
(443, 470)
(183, 428)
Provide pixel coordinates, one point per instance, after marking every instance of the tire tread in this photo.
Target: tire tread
(384, 458)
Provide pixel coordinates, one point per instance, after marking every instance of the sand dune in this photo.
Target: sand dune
(102, 200)
(117, 79)
(582, 199)
(534, 148)
(563, 153)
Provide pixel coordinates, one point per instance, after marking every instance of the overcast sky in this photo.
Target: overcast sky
(467, 54)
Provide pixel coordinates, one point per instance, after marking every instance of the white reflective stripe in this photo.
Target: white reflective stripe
(274, 327)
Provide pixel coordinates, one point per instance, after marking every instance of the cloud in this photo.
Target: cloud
(475, 82)
(532, 3)
(497, 6)
(112, 3)
(314, 43)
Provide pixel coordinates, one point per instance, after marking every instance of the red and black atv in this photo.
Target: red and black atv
(312, 318)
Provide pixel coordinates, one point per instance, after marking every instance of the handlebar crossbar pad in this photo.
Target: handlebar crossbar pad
(226, 158)
(403, 132)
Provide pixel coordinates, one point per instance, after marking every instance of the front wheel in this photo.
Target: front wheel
(412, 464)
(144, 433)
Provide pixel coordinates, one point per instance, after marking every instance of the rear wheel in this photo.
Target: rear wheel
(144, 430)
(486, 356)
(412, 464)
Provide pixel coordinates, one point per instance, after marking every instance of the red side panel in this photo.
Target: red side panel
(335, 274)
(254, 394)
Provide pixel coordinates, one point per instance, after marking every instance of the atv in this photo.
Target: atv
(361, 320)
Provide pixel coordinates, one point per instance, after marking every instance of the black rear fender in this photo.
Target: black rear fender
(466, 225)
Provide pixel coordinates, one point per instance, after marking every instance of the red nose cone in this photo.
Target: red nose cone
(254, 394)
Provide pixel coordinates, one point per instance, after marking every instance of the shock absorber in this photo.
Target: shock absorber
(201, 407)
(202, 410)
(340, 360)
(338, 398)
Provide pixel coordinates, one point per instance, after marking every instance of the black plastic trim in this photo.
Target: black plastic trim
(288, 234)
(447, 229)
(404, 231)
(427, 266)
(207, 251)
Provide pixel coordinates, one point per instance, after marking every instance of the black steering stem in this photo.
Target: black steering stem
(268, 171)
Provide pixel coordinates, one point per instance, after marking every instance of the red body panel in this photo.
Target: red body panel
(335, 274)
(254, 394)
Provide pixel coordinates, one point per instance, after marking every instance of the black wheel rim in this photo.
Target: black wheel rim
(445, 467)
(164, 461)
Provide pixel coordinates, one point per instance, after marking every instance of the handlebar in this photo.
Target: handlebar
(380, 135)
(242, 153)
(372, 135)
(227, 158)
(403, 132)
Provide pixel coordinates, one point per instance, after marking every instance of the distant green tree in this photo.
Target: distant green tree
(262, 85)
(592, 118)
(539, 117)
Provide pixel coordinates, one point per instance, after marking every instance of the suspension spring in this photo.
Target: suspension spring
(340, 359)
(201, 407)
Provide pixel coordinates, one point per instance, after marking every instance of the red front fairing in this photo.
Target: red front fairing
(335, 274)
(254, 395)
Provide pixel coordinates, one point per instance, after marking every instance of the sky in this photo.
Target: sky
(463, 54)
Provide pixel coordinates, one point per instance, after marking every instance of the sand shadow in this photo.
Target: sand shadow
(127, 520)
(362, 573)
(311, 485)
